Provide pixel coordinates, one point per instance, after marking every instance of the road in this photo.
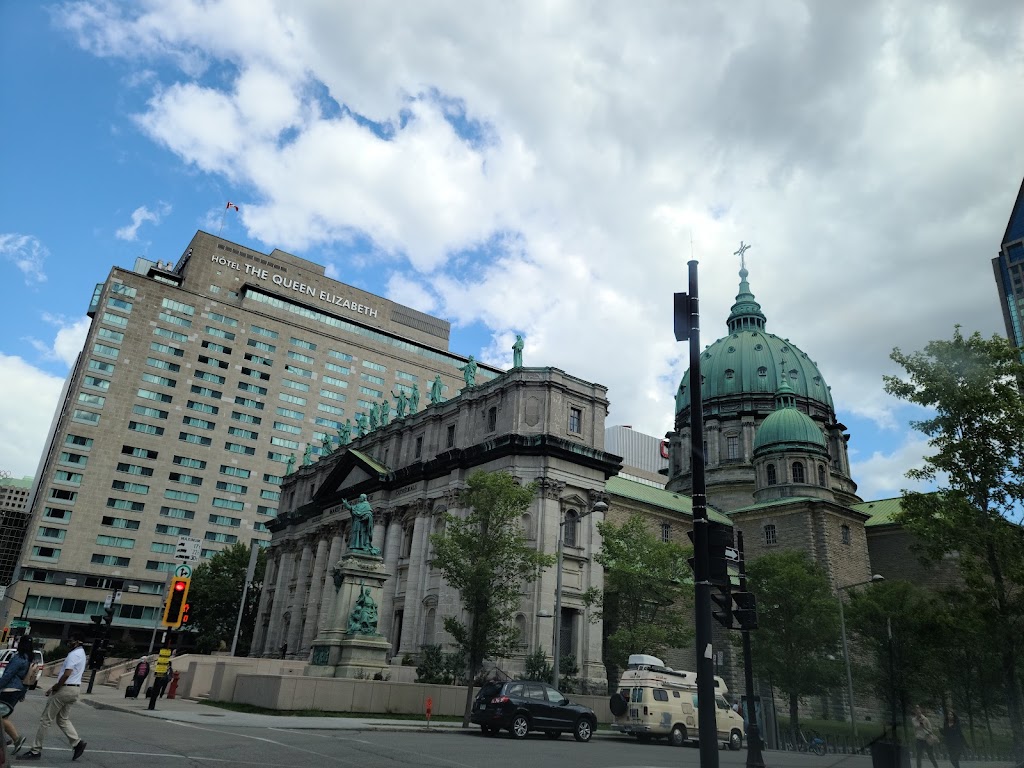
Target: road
(125, 740)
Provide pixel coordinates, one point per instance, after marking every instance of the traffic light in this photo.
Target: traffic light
(722, 598)
(184, 614)
(723, 559)
(97, 657)
(176, 602)
(745, 610)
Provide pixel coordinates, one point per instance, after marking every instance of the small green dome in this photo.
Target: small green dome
(789, 428)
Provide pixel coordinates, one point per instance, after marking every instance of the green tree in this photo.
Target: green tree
(646, 607)
(798, 626)
(919, 634)
(485, 557)
(216, 593)
(971, 386)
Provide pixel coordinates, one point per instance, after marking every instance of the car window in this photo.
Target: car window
(515, 689)
(535, 691)
(553, 696)
(638, 695)
(660, 695)
(721, 702)
(489, 690)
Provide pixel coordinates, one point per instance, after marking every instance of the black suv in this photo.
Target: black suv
(522, 706)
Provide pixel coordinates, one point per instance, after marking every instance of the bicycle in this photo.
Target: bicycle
(815, 743)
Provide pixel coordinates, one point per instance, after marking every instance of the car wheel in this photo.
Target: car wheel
(735, 741)
(678, 736)
(553, 734)
(583, 730)
(520, 727)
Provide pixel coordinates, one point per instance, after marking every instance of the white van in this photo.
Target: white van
(654, 701)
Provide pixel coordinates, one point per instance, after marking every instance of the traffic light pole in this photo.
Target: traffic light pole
(687, 325)
(754, 757)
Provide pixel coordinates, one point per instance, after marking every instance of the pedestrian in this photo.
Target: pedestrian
(924, 736)
(12, 686)
(62, 697)
(284, 650)
(954, 737)
(166, 678)
(139, 678)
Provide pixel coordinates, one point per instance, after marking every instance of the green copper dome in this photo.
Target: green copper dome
(788, 427)
(751, 361)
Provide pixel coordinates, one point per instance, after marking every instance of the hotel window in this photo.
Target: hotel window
(217, 318)
(104, 351)
(168, 334)
(156, 346)
(120, 522)
(213, 346)
(195, 405)
(303, 344)
(246, 402)
(147, 429)
(798, 472)
(254, 388)
(141, 453)
(222, 538)
(575, 421)
(263, 331)
(339, 355)
(45, 553)
(770, 536)
(185, 461)
(221, 334)
(180, 514)
(184, 322)
(845, 534)
(94, 382)
(149, 394)
(177, 306)
(374, 366)
(83, 442)
(188, 437)
(156, 363)
(110, 560)
(96, 365)
(134, 469)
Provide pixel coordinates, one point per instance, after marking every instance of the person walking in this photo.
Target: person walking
(139, 678)
(954, 737)
(12, 686)
(63, 695)
(924, 736)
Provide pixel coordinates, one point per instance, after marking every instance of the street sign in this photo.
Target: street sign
(19, 623)
(183, 572)
(732, 554)
(108, 601)
(188, 548)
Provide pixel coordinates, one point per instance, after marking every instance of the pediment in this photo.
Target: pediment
(354, 471)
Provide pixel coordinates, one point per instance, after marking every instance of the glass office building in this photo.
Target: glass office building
(1008, 267)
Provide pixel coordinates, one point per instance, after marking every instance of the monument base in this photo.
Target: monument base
(350, 645)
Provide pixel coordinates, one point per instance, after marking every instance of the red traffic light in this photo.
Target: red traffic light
(179, 586)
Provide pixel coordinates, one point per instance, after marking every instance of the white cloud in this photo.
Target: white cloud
(141, 215)
(29, 398)
(543, 167)
(883, 475)
(68, 341)
(27, 254)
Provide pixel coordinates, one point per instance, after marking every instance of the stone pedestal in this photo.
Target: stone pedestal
(350, 645)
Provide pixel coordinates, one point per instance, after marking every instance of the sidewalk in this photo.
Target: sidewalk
(191, 711)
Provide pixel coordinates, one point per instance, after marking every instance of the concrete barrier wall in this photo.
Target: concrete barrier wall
(377, 697)
(200, 679)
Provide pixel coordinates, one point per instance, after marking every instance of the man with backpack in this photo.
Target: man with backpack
(138, 679)
(13, 682)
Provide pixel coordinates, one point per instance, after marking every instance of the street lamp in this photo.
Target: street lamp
(846, 653)
(556, 650)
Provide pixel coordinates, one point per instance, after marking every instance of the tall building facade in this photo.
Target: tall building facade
(1008, 268)
(198, 383)
(14, 496)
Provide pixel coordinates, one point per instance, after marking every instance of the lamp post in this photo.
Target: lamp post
(556, 650)
(846, 653)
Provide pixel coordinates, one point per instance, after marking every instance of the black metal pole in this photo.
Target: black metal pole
(706, 710)
(754, 757)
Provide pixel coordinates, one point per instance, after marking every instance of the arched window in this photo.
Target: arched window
(821, 475)
(772, 477)
(527, 522)
(798, 472)
(521, 629)
(770, 536)
(428, 626)
(845, 531)
(572, 520)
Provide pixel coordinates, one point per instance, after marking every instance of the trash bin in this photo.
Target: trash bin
(889, 754)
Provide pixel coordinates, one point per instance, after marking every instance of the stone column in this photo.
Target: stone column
(259, 635)
(299, 604)
(316, 588)
(327, 590)
(392, 542)
(275, 632)
(414, 588)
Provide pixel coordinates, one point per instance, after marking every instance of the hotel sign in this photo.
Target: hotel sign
(294, 285)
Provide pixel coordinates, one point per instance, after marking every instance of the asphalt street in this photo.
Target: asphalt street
(188, 733)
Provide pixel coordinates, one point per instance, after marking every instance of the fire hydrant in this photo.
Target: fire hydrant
(173, 689)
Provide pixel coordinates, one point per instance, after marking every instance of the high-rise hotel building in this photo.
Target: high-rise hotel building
(198, 381)
(1008, 267)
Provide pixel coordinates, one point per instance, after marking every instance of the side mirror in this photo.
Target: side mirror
(564, 701)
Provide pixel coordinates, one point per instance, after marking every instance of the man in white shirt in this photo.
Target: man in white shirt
(62, 696)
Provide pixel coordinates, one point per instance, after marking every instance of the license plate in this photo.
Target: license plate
(483, 706)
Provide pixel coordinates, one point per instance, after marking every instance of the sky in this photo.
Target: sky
(546, 168)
